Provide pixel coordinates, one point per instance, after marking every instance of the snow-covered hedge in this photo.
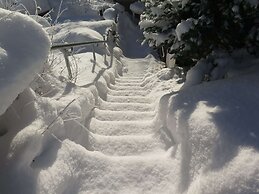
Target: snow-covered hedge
(191, 30)
(24, 48)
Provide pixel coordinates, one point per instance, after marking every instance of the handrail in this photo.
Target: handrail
(64, 49)
(75, 44)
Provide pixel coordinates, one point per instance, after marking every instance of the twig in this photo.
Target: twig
(59, 114)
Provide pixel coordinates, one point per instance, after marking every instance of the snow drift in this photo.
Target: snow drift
(24, 48)
(216, 128)
(137, 7)
(48, 146)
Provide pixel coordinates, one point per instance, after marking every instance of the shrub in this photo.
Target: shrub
(192, 29)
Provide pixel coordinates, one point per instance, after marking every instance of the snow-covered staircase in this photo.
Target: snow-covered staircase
(123, 130)
(123, 125)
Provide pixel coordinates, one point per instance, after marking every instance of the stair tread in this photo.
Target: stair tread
(121, 127)
(139, 84)
(126, 106)
(127, 92)
(126, 145)
(128, 88)
(109, 115)
(128, 174)
(136, 99)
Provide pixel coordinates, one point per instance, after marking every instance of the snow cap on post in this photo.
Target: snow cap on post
(110, 14)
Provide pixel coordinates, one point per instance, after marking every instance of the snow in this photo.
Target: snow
(110, 14)
(146, 24)
(197, 74)
(55, 162)
(131, 37)
(118, 7)
(83, 31)
(220, 65)
(83, 64)
(28, 6)
(157, 10)
(41, 20)
(125, 127)
(183, 27)
(67, 10)
(99, 26)
(137, 7)
(155, 38)
(78, 34)
(19, 66)
(217, 131)
(158, 37)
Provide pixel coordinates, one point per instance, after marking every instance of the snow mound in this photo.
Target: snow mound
(28, 6)
(74, 10)
(110, 14)
(220, 65)
(146, 23)
(99, 26)
(41, 20)
(18, 66)
(137, 7)
(183, 27)
(78, 34)
(118, 7)
(216, 127)
(38, 124)
(82, 31)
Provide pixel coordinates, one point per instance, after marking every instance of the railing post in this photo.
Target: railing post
(66, 54)
(111, 52)
(94, 56)
(64, 49)
(105, 54)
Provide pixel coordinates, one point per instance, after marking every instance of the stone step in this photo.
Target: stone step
(120, 88)
(121, 127)
(128, 93)
(121, 81)
(125, 106)
(129, 99)
(108, 115)
(134, 84)
(139, 78)
(147, 174)
(127, 145)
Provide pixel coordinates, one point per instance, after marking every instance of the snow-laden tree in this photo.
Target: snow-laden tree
(158, 22)
(192, 29)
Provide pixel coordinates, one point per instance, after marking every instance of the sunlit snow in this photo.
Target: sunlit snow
(124, 123)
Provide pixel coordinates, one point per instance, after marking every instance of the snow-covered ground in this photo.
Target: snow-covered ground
(217, 130)
(108, 130)
(131, 37)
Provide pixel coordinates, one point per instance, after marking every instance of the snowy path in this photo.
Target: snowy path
(123, 130)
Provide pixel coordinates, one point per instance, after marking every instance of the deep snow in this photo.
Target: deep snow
(111, 132)
(218, 134)
(18, 66)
